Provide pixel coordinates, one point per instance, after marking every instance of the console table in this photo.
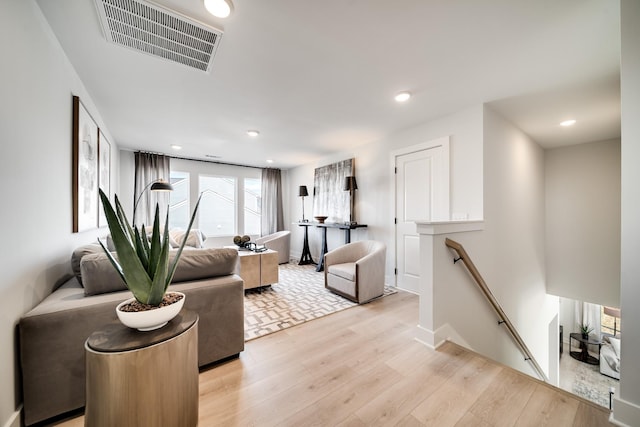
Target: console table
(305, 258)
(324, 226)
(143, 378)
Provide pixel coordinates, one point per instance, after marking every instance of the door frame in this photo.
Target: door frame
(440, 197)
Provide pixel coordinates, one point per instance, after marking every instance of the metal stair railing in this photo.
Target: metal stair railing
(504, 320)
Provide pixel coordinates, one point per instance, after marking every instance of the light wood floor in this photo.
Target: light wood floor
(362, 367)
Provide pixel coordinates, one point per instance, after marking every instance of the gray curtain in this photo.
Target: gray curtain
(272, 215)
(148, 169)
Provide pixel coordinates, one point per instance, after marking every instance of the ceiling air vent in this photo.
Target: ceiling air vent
(160, 32)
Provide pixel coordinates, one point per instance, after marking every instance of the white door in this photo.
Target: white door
(422, 194)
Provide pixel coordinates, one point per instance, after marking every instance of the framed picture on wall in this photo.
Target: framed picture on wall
(329, 197)
(104, 174)
(85, 169)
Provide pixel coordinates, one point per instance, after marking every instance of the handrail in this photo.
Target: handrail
(464, 257)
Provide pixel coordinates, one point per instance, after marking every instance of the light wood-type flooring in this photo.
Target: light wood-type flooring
(362, 367)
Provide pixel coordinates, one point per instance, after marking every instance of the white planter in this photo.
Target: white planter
(150, 319)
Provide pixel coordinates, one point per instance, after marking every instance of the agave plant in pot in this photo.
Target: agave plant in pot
(143, 262)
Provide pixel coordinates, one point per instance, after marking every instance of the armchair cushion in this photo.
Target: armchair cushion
(346, 271)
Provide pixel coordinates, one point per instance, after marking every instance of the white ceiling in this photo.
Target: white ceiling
(316, 77)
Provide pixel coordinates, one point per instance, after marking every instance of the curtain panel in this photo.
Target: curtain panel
(272, 214)
(588, 314)
(150, 168)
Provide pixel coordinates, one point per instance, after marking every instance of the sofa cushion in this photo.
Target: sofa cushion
(203, 263)
(346, 271)
(79, 253)
(101, 277)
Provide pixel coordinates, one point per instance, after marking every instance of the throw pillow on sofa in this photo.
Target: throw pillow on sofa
(79, 253)
(195, 238)
(148, 231)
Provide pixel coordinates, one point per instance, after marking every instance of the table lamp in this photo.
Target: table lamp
(351, 185)
(303, 192)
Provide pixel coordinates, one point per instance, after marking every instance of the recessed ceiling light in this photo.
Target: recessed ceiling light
(176, 147)
(218, 8)
(568, 123)
(253, 133)
(269, 161)
(402, 96)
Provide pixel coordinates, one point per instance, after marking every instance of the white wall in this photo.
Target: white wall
(509, 254)
(36, 87)
(583, 222)
(374, 199)
(627, 402)
(568, 317)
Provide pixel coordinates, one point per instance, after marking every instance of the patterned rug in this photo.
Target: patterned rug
(298, 297)
(592, 385)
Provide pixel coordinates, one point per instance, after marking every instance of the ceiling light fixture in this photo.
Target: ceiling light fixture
(176, 147)
(402, 96)
(568, 123)
(269, 161)
(218, 8)
(253, 133)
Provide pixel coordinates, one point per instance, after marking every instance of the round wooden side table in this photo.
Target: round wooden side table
(143, 378)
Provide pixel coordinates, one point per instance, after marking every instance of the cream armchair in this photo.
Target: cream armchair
(279, 241)
(356, 270)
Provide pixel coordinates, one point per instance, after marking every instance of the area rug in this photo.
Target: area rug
(299, 296)
(592, 385)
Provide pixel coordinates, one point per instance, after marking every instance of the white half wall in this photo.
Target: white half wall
(582, 187)
(36, 86)
(509, 254)
(626, 406)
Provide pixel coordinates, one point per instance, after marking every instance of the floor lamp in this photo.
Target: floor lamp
(615, 313)
(303, 192)
(351, 186)
(157, 185)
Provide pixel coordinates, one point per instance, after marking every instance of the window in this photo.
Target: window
(217, 211)
(179, 212)
(252, 205)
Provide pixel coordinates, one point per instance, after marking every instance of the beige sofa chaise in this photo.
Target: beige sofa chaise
(52, 335)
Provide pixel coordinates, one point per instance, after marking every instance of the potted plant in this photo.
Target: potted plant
(143, 264)
(585, 330)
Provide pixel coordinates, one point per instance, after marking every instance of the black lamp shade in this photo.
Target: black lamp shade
(302, 191)
(350, 183)
(161, 186)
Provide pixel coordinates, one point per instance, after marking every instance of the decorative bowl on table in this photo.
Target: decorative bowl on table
(321, 219)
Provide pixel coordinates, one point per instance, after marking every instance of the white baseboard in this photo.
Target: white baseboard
(14, 419)
(447, 333)
(426, 337)
(624, 414)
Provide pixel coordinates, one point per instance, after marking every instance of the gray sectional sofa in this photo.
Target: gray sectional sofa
(52, 335)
